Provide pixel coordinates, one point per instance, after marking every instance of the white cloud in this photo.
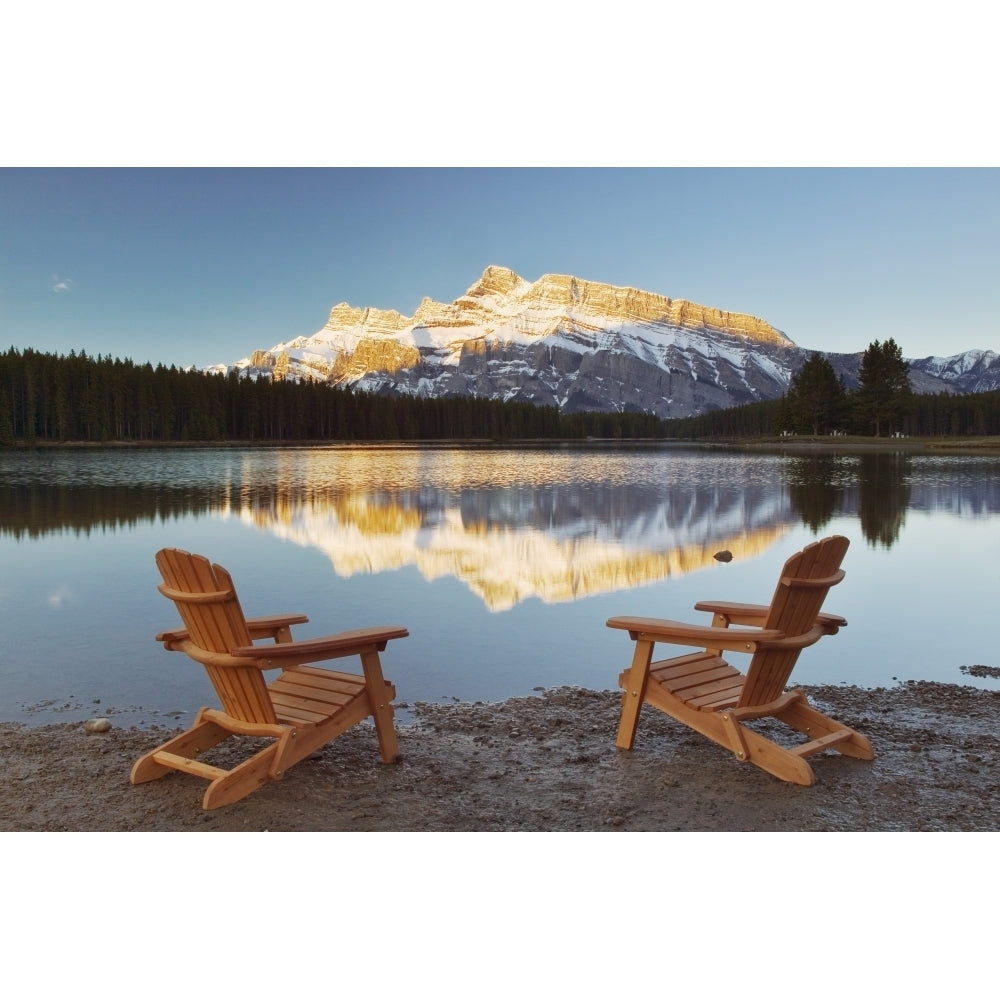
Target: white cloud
(60, 596)
(61, 284)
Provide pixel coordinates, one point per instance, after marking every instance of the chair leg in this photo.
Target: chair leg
(200, 737)
(804, 718)
(765, 753)
(241, 780)
(379, 697)
(633, 681)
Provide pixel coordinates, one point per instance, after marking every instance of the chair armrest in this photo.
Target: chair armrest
(179, 642)
(707, 636)
(274, 626)
(327, 647)
(804, 639)
(262, 627)
(172, 635)
(830, 622)
(756, 614)
(737, 614)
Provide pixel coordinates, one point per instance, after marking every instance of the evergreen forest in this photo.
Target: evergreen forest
(46, 398)
(930, 416)
(51, 399)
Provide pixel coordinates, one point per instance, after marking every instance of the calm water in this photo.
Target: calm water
(503, 563)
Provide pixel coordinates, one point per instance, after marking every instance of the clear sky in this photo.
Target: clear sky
(197, 266)
(840, 183)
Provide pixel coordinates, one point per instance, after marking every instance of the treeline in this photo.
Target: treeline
(882, 404)
(928, 415)
(750, 420)
(47, 398)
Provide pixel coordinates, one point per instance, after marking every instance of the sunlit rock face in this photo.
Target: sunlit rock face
(570, 343)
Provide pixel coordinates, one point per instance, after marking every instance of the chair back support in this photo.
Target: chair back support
(206, 600)
(798, 598)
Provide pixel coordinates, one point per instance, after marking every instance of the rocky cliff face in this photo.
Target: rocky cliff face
(569, 343)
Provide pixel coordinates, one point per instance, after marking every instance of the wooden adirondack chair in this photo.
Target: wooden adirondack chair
(300, 710)
(706, 693)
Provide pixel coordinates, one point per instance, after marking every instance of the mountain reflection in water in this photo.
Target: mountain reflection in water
(503, 563)
(536, 546)
(554, 524)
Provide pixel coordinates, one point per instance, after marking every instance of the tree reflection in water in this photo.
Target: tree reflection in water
(884, 496)
(524, 552)
(873, 485)
(814, 486)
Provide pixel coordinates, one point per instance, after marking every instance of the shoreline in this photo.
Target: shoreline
(957, 445)
(544, 763)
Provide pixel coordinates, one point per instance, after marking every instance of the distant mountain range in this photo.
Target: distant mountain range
(576, 345)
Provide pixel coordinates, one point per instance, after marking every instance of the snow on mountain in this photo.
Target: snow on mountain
(970, 371)
(574, 344)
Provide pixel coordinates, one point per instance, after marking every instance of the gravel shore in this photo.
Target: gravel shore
(545, 763)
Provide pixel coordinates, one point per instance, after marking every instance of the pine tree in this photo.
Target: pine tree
(884, 394)
(814, 403)
(6, 422)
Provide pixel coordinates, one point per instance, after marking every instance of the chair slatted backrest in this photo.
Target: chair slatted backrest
(206, 600)
(798, 598)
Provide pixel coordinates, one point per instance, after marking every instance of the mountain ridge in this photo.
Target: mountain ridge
(575, 344)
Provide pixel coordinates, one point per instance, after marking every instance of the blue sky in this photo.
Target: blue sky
(219, 182)
(197, 266)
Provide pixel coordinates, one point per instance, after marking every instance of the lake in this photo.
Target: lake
(504, 563)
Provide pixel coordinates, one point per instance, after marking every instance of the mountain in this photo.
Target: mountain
(576, 345)
(971, 371)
